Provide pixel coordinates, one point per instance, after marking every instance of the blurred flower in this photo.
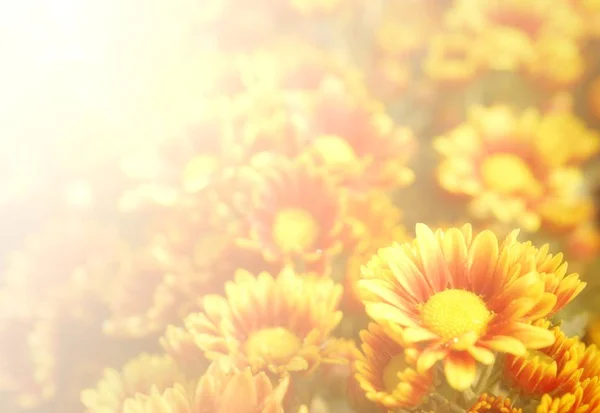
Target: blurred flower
(386, 370)
(516, 35)
(187, 251)
(460, 298)
(552, 369)
(487, 403)
(276, 324)
(140, 375)
(559, 62)
(296, 212)
(220, 389)
(519, 168)
(357, 142)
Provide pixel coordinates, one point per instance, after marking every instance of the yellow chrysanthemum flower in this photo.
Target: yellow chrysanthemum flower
(460, 297)
(220, 389)
(552, 370)
(276, 324)
(357, 142)
(142, 375)
(493, 404)
(519, 168)
(518, 35)
(285, 223)
(386, 370)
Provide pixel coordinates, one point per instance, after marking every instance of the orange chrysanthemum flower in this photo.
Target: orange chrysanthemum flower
(269, 323)
(460, 298)
(517, 35)
(553, 369)
(139, 376)
(492, 404)
(285, 222)
(519, 168)
(585, 398)
(357, 142)
(386, 370)
(220, 389)
(189, 164)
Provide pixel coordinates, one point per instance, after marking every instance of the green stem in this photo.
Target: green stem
(439, 399)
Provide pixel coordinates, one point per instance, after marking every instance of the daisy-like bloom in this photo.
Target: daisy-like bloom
(357, 142)
(554, 369)
(287, 224)
(386, 370)
(518, 168)
(460, 298)
(487, 403)
(221, 389)
(375, 222)
(585, 398)
(516, 35)
(452, 59)
(275, 324)
(140, 375)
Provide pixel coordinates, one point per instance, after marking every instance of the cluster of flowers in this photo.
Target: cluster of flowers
(261, 260)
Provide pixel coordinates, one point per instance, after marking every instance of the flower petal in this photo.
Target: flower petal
(434, 264)
(460, 370)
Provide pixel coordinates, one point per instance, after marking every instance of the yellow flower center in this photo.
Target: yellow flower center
(276, 344)
(452, 313)
(391, 370)
(335, 150)
(295, 229)
(198, 172)
(508, 173)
